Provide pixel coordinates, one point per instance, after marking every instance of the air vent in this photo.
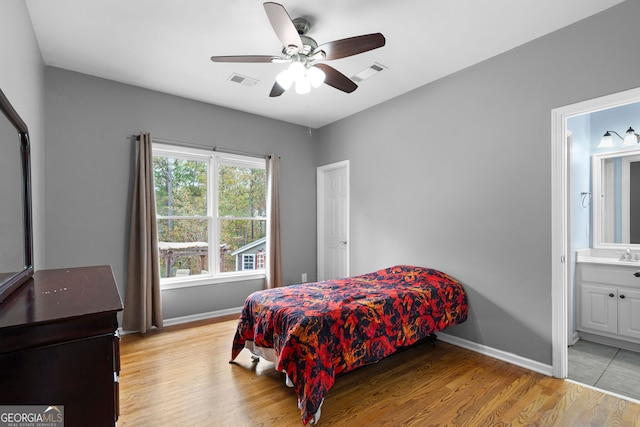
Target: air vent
(368, 72)
(243, 80)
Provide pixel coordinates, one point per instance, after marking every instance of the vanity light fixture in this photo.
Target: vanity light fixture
(630, 139)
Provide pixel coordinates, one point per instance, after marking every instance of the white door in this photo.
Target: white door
(333, 221)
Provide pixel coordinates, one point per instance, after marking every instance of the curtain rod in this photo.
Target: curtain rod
(205, 147)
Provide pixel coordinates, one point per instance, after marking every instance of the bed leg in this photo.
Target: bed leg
(432, 339)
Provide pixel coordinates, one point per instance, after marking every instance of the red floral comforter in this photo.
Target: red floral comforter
(319, 330)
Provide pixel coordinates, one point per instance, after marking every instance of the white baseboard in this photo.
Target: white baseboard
(514, 359)
(574, 338)
(610, 341)
(192, 318)
(201, 316)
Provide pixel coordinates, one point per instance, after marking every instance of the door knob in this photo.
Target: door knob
(622, 296)
(611, 295)
(344, 242)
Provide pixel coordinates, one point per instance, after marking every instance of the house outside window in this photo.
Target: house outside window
(251, 256)
(208, 205)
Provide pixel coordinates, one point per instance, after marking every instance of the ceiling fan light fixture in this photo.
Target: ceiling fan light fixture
(315, 76)
(303, 86)
(297, 70)
(285, 79)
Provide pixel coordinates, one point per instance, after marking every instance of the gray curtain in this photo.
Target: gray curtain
(143, 306)
(274, 263)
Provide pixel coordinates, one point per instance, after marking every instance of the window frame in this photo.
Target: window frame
(214, 159)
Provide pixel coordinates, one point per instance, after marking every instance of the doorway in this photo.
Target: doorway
(562, 250)
(333, 220)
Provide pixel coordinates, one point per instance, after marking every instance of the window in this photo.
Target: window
(248, 261)
(210, 207)
(260, 258)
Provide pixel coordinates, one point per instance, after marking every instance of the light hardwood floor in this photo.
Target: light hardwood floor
(182, 377)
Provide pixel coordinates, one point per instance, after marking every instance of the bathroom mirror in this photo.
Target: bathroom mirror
(616, 199)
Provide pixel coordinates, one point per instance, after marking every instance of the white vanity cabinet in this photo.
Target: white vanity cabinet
(608, 300)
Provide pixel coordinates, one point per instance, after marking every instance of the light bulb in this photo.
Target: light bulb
(284, 79)
(316, 76)
(303, 86)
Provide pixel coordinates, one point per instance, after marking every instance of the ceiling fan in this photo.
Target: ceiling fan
(304, 53)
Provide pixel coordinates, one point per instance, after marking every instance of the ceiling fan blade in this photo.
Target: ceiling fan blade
(246, 58)
(283, 25)
(336, 79)
(351, 46)
(276, 90)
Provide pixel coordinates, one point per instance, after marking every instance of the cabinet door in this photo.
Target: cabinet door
(598, 308)
(629, 313)
(76, 374)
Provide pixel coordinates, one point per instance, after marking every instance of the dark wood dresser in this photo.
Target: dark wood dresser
(59, 344)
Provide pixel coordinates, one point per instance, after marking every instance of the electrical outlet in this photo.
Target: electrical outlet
(304, 277)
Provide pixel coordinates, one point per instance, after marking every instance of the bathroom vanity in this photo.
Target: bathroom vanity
(608, 298)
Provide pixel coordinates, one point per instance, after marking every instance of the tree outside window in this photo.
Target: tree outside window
(242, 209)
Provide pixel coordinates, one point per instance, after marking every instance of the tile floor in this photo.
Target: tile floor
(607, 368)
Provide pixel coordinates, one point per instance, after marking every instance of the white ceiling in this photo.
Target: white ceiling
(166, 45)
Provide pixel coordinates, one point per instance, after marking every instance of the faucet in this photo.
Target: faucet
(627, 256)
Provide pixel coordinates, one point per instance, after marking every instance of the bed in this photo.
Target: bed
(315, 331)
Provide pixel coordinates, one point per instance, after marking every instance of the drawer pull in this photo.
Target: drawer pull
(611, 295)
(622, 296)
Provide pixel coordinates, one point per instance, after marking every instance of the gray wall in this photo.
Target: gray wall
(22, 81)
(90, 163)
(467, 182)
